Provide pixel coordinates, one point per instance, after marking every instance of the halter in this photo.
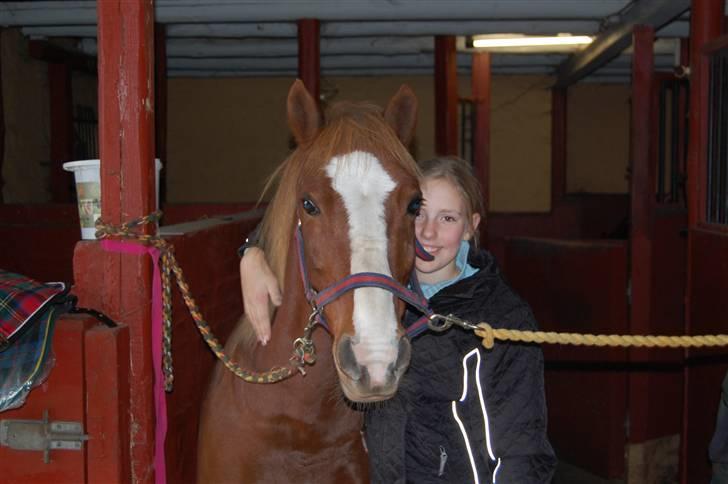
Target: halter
(319, 299)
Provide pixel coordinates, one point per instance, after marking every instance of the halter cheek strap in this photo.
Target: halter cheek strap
(319, 299)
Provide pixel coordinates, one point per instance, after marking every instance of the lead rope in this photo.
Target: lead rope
(488, 334)
(303, 352)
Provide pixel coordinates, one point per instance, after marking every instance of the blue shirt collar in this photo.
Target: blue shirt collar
(461, 262)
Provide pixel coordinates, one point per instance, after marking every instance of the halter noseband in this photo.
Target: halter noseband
(319, 299)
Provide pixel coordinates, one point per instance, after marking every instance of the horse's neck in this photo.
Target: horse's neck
(291, 319)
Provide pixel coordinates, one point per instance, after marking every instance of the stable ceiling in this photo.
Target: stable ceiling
(375, 37)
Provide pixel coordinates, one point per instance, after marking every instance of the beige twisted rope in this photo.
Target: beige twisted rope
(490, 334)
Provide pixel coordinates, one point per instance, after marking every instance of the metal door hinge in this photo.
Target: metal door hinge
(42, 435)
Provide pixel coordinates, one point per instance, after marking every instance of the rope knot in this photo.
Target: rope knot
(485, 331)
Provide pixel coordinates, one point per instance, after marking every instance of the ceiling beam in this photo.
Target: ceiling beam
(80, 12)
(611, 42)
(341, 29)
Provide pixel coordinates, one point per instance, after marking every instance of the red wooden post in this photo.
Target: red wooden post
(481, 86)
(706, 22)
(2, 126)
(61, 130)
(160, 105)
(446, 96)
(309, 58)
(558, 145)
(642, 192)
(126, 130)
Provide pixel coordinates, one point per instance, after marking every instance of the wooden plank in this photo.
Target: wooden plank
(107, 404)
(446, 96)
(309, 56)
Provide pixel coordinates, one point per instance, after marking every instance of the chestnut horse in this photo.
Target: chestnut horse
(353, 189)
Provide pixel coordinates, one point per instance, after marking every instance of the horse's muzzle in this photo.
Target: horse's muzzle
(367, 376)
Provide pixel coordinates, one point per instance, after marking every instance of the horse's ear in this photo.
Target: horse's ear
(401, 114)
(304, 117)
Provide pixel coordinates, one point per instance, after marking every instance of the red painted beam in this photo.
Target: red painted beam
(309, 57)
(121, 284)
(706, 21)
(642, 192)
(61, 130)
(481, 88)
(2, 126)
(446, 96)
(160, 105)
(558, 144)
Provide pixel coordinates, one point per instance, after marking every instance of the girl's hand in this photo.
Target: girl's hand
(259, 287)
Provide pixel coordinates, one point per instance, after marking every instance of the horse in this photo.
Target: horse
(345, 206)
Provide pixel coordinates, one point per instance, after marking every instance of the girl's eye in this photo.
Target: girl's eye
(449, 218)
(310, 207)
(414, 206)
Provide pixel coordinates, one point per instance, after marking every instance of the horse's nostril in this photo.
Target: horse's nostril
(403, 356)
(347, 360)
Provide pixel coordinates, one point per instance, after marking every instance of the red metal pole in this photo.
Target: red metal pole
(309, 58)
(642, 194)
(446, 96)
(61, 130)
(481, 87)
(558, 145)
(126, 130)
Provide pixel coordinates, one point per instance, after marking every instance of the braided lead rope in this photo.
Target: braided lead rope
(489, 334)
(303, 351)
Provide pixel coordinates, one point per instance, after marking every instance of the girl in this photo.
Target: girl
(462, 413)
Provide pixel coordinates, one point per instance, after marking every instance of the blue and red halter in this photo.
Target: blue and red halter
(319, 299)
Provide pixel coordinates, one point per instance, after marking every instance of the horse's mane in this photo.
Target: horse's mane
(349, 127)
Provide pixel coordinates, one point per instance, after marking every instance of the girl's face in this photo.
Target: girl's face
(440, 227)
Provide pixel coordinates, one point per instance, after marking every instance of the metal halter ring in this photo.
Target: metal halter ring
(439, 323)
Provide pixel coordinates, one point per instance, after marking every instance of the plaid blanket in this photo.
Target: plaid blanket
(28, 310)
(21, 301)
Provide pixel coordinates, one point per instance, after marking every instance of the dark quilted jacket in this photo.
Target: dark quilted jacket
(419, 436)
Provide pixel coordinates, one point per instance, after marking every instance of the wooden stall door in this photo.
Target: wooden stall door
(579, 286)
(88, 384)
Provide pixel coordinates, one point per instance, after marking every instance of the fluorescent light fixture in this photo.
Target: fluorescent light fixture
(531, 41)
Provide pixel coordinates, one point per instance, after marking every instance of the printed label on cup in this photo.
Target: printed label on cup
(89, 203)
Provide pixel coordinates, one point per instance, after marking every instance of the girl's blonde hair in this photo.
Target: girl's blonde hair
(460, 173)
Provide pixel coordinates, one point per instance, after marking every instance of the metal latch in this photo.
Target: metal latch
(42, 435)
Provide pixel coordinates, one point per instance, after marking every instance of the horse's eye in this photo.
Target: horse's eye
(414, 206)
(310, 207)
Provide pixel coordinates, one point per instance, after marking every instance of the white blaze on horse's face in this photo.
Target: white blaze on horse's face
(364, 186)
